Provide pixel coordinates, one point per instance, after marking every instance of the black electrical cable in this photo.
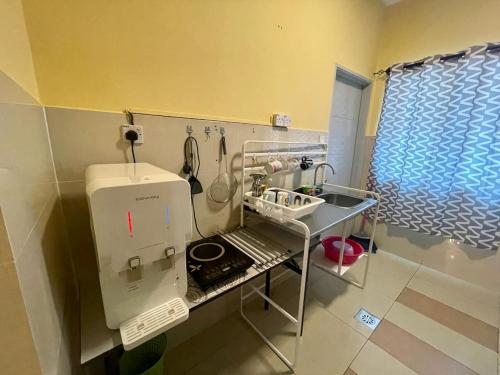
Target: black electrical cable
(132, 147)
(194, 216)
(130, 117)
(132, 136)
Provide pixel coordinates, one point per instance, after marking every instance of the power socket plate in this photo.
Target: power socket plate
(138, 129)
(282, 121)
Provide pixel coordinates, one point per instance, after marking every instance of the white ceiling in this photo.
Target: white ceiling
(390, 2)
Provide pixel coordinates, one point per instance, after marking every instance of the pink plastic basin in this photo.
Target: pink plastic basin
(332, 245)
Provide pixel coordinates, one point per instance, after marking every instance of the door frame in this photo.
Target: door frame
(360, 143)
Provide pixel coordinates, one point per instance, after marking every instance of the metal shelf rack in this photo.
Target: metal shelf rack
(310, 227)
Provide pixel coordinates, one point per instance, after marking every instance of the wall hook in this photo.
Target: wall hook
(222, 131)
(189, 130)
(208, 131)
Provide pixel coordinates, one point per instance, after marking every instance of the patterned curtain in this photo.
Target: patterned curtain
(436, 159)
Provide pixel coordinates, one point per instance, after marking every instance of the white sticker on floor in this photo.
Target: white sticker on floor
(368, 319)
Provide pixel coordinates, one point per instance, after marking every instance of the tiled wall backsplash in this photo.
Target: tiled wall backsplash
(81, 138)
(37, 252)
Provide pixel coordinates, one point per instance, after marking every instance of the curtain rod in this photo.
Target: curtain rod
(414, 64)
(458, 55)
(493, 47)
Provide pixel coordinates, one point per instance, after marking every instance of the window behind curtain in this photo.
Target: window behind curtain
(436, 160)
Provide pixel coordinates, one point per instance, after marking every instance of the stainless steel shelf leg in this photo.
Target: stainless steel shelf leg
(267, 289)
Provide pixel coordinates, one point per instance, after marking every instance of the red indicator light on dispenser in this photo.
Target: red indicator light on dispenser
(130, 228)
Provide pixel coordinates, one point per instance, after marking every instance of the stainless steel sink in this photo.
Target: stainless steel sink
(341, 200)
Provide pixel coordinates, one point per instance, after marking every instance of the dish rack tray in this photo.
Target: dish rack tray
(299, 205)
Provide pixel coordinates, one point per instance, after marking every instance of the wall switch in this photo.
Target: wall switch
(282, 121)
(138, 129)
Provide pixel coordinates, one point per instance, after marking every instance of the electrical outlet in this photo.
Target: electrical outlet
(287, 121)
(277, 120)
(283, 121)
(138, 129)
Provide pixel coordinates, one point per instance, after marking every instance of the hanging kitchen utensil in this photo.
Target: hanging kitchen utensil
(224, 186)
(196, 187)
(190, 151)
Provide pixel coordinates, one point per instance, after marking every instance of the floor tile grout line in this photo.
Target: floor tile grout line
(406, 286)
(334, 316)
(246, 327)
(430, 345)
(384, 315)
(357, 353)
(450, 305)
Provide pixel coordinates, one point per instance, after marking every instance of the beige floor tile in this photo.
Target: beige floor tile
(320, 350)
(415, 353)
(383, 261)
(460, 322)
(471, 299)
(231, 347)
(372, 360)
(246, 355)
(387, 273)
(344, 300)
(204, 345)
(454, 284)
(458, 347)
(477, 266)
(387, 283)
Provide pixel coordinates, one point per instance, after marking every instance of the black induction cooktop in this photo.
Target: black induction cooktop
(213, 259)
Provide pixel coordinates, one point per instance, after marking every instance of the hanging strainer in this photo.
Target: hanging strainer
(224, 185)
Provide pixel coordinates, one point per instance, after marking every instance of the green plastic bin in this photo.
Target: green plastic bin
(146, 359)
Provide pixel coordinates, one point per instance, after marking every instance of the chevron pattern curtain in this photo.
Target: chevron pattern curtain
(436, 159)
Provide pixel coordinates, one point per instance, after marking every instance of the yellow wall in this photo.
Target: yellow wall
(414, 29)
(229, 59)
(15, 58)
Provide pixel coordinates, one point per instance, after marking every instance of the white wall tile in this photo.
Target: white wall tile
(26, 172)
(33, 219)
(43, 280)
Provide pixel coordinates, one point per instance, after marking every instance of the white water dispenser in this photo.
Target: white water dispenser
(141, 222)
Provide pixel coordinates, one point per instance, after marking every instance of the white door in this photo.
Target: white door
(344, 119)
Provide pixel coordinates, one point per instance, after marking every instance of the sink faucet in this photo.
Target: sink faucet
(316, 171)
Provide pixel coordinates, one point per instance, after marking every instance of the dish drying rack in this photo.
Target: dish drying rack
(321, 218)
(283, 212)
